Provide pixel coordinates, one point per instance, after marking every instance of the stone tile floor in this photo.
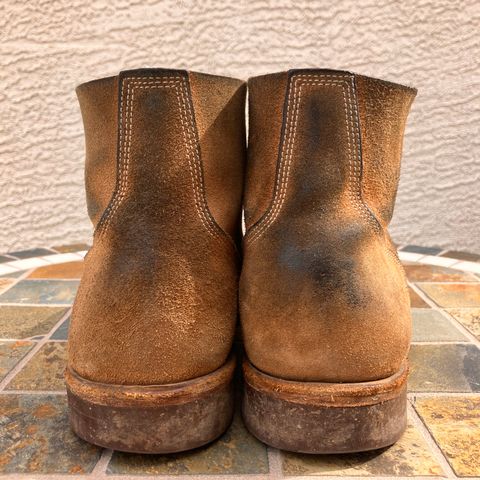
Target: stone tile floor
(37, 289)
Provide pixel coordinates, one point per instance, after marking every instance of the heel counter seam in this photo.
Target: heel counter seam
(298, 81)
(178, 83)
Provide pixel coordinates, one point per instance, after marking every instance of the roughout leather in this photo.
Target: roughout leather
(323, 296)
(99, 106)
(158, 299)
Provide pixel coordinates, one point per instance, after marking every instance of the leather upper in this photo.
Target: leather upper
(165, 158)
(323, 296)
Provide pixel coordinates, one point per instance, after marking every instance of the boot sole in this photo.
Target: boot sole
(152, 419)
(317, 417)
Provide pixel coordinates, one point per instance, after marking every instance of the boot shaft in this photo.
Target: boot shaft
(322, 139)
(323, 296)
(164, 167)
(165, 142)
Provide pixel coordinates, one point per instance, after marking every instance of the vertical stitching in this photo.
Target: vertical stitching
(353, 146)
(357, 162)
(188, 132)
(197, 177)
(281, 184)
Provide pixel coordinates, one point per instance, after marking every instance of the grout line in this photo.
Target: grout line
(428, 437)
(413, 395)
(77, 279)
(72, 256)
(9, 255)
(34, 339)
(440, 342)
(183, 476)
(17, 280)
(38, 280)
(461, 328)
(32, 392)
(471, 282)
(100, 468)
(19, 366)
(274, 462)
(50, 249)
(47, 305)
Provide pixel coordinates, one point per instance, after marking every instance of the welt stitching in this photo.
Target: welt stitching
(281, 184)
(145, 83)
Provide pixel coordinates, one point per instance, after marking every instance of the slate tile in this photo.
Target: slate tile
(468, 317)
(44, 371)
(61, 333)
(75, 247)
(415, 300)
(6, 283)
(454, 422)
(13, 275)
(19, 322)
(433, 273)
(36, 437)
(31, 253)
(10, 354)
(423, 250)
(453, 294)
(444, 368)
(465, 256)
(66, 270)
(431, 326)
(41, 292)
(236, 452)
(410, 456)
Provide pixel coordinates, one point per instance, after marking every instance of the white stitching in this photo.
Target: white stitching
(125, 145)
(286, 156)
(353, 137)
(200, 200)
(356, 184)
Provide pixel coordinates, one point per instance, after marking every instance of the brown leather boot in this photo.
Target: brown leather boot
(149, 362)
(323, 299)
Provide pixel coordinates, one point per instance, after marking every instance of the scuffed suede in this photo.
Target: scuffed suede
(323, 296)
(382, 108)
(263, 141)
(219, 104)
(158, 299)
(99, 106)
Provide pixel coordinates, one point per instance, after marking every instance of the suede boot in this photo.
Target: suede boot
(149, 361)
(323, 299)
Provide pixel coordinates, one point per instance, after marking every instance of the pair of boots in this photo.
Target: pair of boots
(322, 296)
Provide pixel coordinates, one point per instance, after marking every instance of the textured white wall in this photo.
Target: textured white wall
(49, 46)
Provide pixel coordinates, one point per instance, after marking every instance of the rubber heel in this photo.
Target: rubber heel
(315, 417)
(152, 419)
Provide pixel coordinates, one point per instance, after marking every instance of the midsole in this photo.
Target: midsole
(326, 393)
(149, 395)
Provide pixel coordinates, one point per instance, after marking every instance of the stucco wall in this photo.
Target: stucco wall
(47, 47)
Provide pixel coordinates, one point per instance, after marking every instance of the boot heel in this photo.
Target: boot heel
(317, 417)
(152, 419)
